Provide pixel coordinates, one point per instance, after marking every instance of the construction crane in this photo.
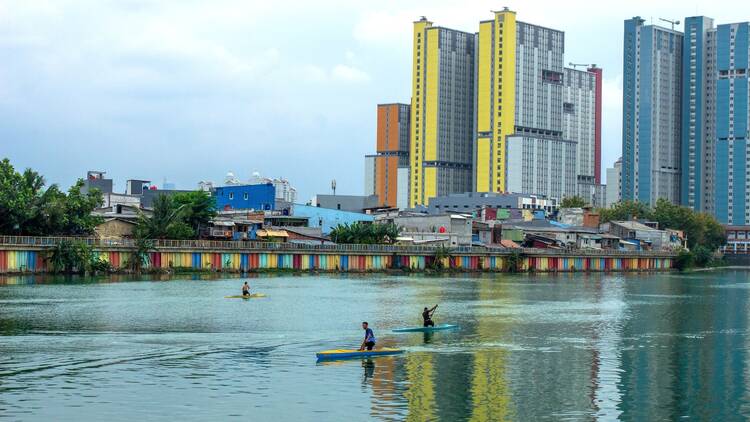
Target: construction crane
(675, 22)
(586, 65)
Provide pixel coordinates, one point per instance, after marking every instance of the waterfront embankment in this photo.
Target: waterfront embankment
(22, 254)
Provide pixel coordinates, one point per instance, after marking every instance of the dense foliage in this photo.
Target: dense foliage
(199, 209)
(573, 202)
(76, 257)
(178, 216)
(701, 228)
(27, 208)
(365, 233)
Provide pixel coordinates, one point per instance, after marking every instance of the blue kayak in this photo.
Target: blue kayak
(353, 353)
(438, 327)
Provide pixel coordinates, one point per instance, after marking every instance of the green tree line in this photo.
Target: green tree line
(365, 233)
(27, 208)
(178, 216)
(701, 229)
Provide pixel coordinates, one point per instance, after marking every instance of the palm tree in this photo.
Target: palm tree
(166, 221)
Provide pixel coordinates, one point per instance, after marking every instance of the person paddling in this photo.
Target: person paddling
(246, 289)
(427, 316)
(369, 341)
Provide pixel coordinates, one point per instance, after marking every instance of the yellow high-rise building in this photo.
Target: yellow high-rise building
(496, 99)
(487, 111)
(442, 112)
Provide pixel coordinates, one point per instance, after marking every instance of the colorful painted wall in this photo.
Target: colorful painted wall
(13, 261)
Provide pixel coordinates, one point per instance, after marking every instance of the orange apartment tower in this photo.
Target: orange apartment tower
(387, 171)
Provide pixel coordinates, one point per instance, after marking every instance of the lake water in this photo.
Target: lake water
(530, 347)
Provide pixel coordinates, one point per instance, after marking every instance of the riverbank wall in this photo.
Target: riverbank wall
(33, 255)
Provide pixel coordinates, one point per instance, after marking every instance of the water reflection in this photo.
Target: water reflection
(592, 347)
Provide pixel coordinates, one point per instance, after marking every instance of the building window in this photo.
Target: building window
(231, 195)
(244, 196)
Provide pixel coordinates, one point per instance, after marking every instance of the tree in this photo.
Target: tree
(17, 194)
(573, 202)
(684, 260)
(365, 233)
(199, 209)
(165, 223)
(26, 208)
(625, 210)
(701, 229)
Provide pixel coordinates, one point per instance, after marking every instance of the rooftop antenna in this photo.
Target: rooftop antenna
(333, 186)
(673, 22)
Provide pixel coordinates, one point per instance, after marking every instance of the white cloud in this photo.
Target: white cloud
(349, 74)
(612, 92)
(384, 27)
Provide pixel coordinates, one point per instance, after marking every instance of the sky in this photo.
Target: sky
(188, 90)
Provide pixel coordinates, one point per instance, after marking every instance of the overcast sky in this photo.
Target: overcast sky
(189, 90)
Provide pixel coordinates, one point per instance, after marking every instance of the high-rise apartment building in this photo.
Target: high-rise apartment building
(698, 105)
(581, 111)
(652, 72)
(541, 166)
(496, 99)
(732, 174)
(473, 93)
(520, 83)
(442, 112)
(387, 172)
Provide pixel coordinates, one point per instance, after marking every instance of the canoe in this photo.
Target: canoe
(438, 327)
(353, 353)
(250, 296)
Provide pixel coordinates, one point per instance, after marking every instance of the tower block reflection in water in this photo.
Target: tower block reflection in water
(489, 388)
(420, 395)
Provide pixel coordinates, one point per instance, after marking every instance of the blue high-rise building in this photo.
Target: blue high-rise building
(732, 202)
(698, 114)
(652, 75)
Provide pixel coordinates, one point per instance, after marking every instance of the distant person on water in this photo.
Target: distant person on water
(369, 341)
(427, 316)
(246, 289)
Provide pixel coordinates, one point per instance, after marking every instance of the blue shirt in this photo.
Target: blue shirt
(369, 336)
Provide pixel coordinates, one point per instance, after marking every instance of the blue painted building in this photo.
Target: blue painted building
(246, 197)
(652, 65)
(732, 202)
(327, 218)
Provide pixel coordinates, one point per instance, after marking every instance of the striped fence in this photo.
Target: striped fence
(15, 261)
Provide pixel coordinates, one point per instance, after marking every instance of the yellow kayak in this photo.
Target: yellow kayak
(353, 353)
(250, 296)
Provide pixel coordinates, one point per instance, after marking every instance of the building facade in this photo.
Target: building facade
(732, 174)
(442, 112)
(246, 197)
(541, 166)
(495, 99)
(351, 203)
(519, 93)
(471, 201)
(384, 169)
(698, 114)
(652, 71)
(581, 113)
(614, 185)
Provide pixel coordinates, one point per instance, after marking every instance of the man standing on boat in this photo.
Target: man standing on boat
(427, 316)
(369, 341)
